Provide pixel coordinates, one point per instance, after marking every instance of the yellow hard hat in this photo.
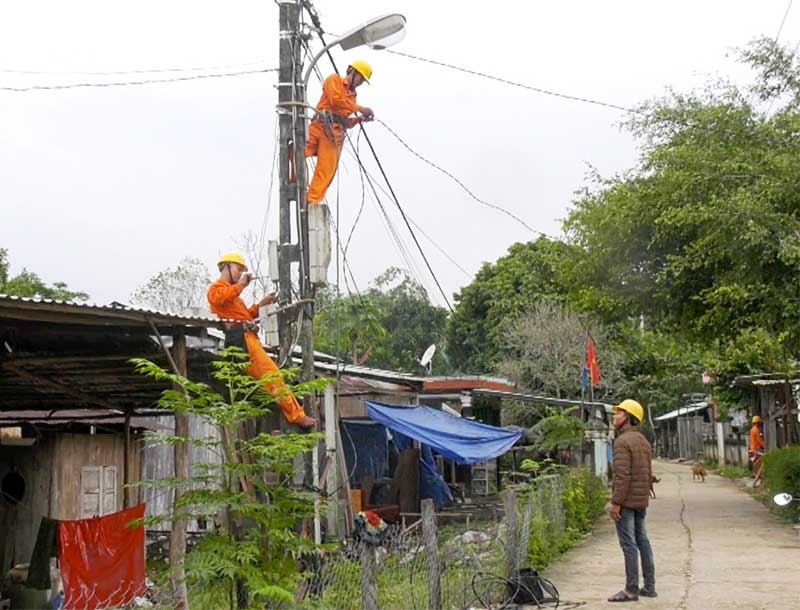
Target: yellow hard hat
(363, 68)
(632, 407)
(232, 257)
(756, 419)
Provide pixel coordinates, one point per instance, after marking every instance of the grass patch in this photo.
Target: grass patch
(734, 472)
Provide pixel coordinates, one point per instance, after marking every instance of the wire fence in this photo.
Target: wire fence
(441, 564)
(436, 562)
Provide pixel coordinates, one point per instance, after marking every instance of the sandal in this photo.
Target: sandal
(647, 593)
(622, 596)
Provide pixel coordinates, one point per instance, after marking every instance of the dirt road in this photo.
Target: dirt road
(714, 546)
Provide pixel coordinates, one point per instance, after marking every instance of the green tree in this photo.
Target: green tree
(29, 284)
(387, 326)
(257, 543)
(500, 291)
(659, 367)
(702, 238)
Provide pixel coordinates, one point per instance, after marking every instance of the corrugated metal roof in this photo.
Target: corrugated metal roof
(687, 410)
(117, 311)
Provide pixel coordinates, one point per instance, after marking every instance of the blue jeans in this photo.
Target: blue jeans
(633, 540)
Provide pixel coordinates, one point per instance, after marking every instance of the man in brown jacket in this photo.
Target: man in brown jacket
(630, 498)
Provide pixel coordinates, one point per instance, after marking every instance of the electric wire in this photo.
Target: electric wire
(387, 221)
(783, 21)
(777, 37)
(405, 219)
(566, 96)
(125, 72)
(262, 239)
(363, 198)
(637, 111)
(459, 182)
(424, 234)
(132, 83)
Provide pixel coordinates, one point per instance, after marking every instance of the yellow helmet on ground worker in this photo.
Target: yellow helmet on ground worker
(630, 406)
(756, 419)
(231, 257)
(363, 68)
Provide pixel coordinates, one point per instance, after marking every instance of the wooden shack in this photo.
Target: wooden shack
(77, 408)
(62, 469)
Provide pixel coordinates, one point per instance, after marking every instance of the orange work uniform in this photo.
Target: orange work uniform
(225, 302)
(756, 442)
(325, 138)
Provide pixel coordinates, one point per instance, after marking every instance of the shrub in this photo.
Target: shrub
(782, 474)
(558, 523)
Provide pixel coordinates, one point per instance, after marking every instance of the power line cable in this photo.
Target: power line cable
(386, 219)
(405, 219)
(574, 98)
(124, 72)
(777, 37)
(783, 21)
(389, 226)
(634, 111)
(363, 198)
(134, 83)
(459, 182)
(428, 237)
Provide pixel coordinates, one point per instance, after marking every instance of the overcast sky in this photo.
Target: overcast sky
(104, 187)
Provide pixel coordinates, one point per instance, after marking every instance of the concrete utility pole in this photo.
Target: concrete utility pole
(293, 187)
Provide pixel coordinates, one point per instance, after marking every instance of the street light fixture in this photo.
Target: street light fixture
(378, 33)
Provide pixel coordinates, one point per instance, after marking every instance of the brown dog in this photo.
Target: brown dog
(653, 479)
(698, 472)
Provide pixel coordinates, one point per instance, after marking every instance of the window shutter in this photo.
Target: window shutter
(109, 490)
(98, 491)
(90, 491)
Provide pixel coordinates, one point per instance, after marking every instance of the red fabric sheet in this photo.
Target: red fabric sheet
(102, 560)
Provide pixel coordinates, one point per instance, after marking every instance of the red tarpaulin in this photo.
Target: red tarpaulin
(102, 560)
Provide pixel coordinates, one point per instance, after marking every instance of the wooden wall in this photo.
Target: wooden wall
(73, 452)
(19, 523)
(52, 472)
(158, 462)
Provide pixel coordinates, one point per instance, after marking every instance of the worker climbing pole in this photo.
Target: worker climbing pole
(337, 111)
(241, 330)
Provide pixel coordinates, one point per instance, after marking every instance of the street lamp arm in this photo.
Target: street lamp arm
(314, 61)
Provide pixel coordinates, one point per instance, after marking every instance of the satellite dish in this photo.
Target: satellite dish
(427, 357)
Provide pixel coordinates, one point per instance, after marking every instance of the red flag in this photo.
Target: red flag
(591, 363)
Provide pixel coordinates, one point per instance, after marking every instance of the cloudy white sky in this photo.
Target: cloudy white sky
(104, 187)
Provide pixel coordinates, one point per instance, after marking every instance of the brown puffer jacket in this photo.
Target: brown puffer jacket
(632, 470)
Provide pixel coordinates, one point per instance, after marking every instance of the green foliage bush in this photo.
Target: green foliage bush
(782, 474)
(257, 543)
(584, 499)
(557, 524)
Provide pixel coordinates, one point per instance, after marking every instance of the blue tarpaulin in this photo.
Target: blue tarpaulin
(366, 449)
(460, 440)
(431, 483)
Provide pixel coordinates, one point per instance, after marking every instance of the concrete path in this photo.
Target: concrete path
(714, 546)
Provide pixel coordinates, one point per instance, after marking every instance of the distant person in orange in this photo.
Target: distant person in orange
(757, 447)
(326, 132)
(223, 296)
